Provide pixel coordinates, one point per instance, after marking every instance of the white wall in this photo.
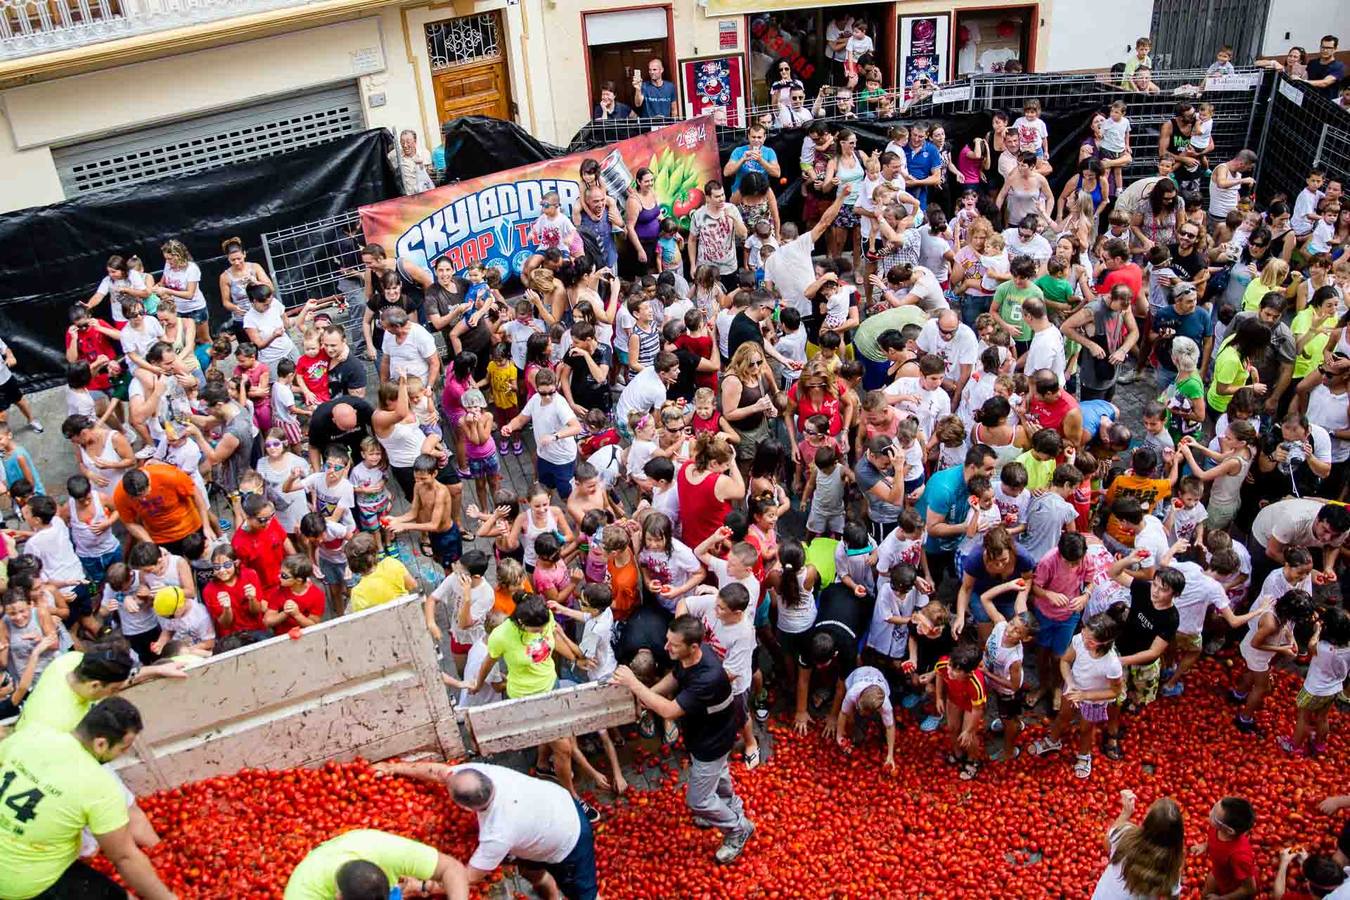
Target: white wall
(1085, 35)
(1302, 23)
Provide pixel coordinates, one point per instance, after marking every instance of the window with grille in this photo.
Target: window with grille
(466, 39)
(207, 142)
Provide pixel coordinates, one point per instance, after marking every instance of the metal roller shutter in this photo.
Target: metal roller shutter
(206, 142)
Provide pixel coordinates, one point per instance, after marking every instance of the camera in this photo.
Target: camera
(1295, 455)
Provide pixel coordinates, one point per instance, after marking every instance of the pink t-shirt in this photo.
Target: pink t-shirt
(1054, 574)
(549, 577)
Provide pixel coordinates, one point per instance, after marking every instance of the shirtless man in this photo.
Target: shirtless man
(431, 512)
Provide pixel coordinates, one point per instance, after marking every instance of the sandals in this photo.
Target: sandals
(671, 734)
(752, 759)
(1111, 749)
(1045, 745)
(1082, 767)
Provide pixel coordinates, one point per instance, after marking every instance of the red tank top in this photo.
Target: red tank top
(701, 513)
(1052, 415)
(806, 408)
(711, 425)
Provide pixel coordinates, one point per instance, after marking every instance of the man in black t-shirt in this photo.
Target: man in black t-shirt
(645, 629)
(343, 420)
(1188, 259)
(1144, 636)
(710, 716)
(690, 362)
(745, 327)
(346, 374)
(1325, 72)
(831, 647)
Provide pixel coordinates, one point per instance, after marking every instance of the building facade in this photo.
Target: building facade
(100, 93)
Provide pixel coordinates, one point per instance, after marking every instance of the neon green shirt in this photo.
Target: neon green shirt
(1008, 300)
(1228, 369)
(53, 789)
(1038, 473)
(1311, 357)
(528, 657)
(380, 585)
(52, 702)
(398, 857)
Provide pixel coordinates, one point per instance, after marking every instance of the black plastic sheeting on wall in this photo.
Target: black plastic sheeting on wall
(53, 256)
(478, 145)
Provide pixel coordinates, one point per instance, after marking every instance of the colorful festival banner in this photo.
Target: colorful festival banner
(485, 220)
(712, 86)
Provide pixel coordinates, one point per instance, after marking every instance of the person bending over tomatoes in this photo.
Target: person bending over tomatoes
(831, 649)
(866, 692)
(366, 864)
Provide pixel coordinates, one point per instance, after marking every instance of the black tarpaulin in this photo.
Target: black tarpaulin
(52, 256)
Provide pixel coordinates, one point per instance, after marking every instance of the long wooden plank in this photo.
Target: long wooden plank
(362, 685)
(530, 721)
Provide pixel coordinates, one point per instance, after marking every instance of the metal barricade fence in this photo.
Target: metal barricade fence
(318, 260)
(1301, 129)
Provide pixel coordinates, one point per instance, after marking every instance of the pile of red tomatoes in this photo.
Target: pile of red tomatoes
(829, 824)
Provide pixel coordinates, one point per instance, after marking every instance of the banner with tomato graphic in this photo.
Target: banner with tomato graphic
(486, 220)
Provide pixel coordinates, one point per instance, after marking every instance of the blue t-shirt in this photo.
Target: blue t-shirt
(921, 164)
(1196, 325)
(945, 495)
(477, 294)
(973, 565)
(1092, 411)
(657, 102)
(766, 153)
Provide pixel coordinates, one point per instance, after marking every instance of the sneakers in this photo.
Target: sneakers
(1245, 725)
(592, 814)
(1172, 690)
(502, 445)
(733, 845)
(1045, 745)
(518, 447)
(36, 426)
(909, 701)
(996, 725)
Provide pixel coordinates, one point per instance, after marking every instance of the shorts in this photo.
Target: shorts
(1055, 635)
(821, 523)
(368, 516)
(848, 218)
(1142, 683)
(1257, 661)
(487, 467)
(1093, 710)
(197, 315)
(1110, 154)
(10, 393)
(556, 475)
(1189, 643)
(334, 574)
(575, 873)
(503, 415)
(794, 643)
(447, 546)
(981, 615)
(750, 440)
(1009, 705)
(1313, 703)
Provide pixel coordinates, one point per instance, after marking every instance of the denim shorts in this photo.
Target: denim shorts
(1056, 636)
(196, 315)
(981, 615)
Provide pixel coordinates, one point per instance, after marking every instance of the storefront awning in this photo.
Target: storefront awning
(750, 7)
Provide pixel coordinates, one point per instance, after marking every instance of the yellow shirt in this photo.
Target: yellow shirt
(316, 876)
(53, 789)
(52, 702)
(382, 584)
(1038, 471)
(502, 381)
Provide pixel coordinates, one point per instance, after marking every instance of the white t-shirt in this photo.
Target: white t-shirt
(792, 346)
(193, 626)
(644, 392)
(790, 269)
(412, 355)
(1008, 505)
(1201, 592)
(487, 693)
(833, 33)
(859, 680)
(1046, 352)
(329, 497)
(530, 819)
(519, 332)
(735, 643)
(1201, 132)
(856, 47)
(998, 659)
(1328, 670)
(179, 279)
(1038, 248)
(1186, 521)
(52, 545)
(639, 454)
(552, 419)
(480, 604)
(1093, 673)
(888, 638)
(1332, 412)
(595, 643)
(1111, 886)
(1114, 134)
(113, 291)
(1031, 134)
(1276, 585)
(932, 405)
(265, 323)
(138, 341)
(1304, 206)
(1153, 538)
(928, 291)
(896, 549)
(961, 350)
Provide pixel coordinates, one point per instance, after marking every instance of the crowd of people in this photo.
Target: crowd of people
(1042, 438)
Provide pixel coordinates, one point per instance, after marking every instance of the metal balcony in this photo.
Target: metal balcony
(33, 27)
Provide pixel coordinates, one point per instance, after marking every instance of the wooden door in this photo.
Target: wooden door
(616, 62)
(472, 89)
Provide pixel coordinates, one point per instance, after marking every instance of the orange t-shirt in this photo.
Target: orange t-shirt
(1147, 490)
(623, 582)
(503, 602)
(167, 509)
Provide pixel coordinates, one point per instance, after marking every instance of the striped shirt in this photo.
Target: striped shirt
(965, 693)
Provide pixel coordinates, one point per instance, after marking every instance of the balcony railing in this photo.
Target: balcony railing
(32, 27)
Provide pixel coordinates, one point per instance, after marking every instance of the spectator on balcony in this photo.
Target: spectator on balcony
(1326, 72)
(412, 164)
(653, 99)
(609, 106)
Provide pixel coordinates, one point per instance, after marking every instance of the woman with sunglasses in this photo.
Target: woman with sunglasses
(816, 393)
(747, 400)
(275, 467)
(1246, 266)
(782, 83)
(139, 333)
